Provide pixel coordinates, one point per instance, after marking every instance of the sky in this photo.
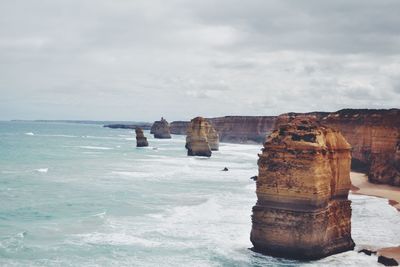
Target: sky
(143, 59)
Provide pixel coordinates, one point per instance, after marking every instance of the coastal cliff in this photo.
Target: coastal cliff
(160, 129)
(201, 138)
(141, 140)
(374, 136)
(302, 209)
(235, 129)
(243, 129)
(179, 127)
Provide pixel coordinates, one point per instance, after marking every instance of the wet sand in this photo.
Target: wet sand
(391, 252)
(360, 185)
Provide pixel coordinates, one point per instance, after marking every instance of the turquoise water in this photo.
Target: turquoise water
(84, 195)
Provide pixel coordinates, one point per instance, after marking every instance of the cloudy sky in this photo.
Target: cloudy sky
(140, 59)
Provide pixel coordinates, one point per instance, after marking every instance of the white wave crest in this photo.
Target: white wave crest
(117, 239)
(42, 170)
(30, 133)
(95, 147)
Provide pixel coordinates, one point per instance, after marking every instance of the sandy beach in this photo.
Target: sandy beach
(362, 186)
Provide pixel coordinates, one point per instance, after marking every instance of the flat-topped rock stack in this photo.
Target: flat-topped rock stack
(201, 138)
(141, 140)
(160, 129)
(303, 211)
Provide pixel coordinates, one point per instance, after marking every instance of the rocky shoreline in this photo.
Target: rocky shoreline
(374, 135)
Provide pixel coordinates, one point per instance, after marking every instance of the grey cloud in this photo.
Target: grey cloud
(142, 59)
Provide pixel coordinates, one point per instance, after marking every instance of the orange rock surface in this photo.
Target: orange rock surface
(201, 138)
(302, 209)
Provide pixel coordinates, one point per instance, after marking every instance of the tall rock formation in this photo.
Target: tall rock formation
(160, 129)
(201, 138)
(179, 127)
(212, 137)
(302, 210)
(141, 140)
(243, 129)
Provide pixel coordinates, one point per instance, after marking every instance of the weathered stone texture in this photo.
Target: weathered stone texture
(302, 209)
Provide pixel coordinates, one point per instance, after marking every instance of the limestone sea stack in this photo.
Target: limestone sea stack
(160, 129)
(141, 140)
(201, 138)
(212, 137)
(303, 211)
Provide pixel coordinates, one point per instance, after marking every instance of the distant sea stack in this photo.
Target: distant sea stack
(374, 135)
(201, 138)
(303, 211)
(141, 140)
(212, 137)
(160, 129)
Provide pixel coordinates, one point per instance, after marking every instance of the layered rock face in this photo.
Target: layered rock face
(201, 138)
(179, 127)
(243, 129)
(302, 210)
(235, 129)
(213, 137)
(141, 140)
(160, 129)
(374, 136)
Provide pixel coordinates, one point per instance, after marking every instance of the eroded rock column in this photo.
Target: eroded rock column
(201, 138)
(160, 129)
(303, 210)
(141, 140)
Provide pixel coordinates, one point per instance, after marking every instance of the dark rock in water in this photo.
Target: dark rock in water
(387, 261)
(160, 129)
(367, 251)
(254, 178)
(141, 140)
(225, 169)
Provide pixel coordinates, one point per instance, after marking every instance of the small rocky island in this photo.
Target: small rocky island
(141, 140)
(160, 129)
(303, 211)
(201, 138)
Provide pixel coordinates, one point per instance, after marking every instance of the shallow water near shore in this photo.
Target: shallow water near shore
(84, 195)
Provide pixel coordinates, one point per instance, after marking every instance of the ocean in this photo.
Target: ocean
(84, 195)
